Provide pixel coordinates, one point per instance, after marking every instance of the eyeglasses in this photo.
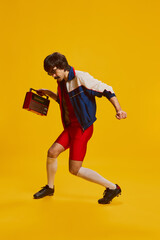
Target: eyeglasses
(53, 71)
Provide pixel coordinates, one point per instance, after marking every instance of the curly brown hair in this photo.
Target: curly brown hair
(56, 60)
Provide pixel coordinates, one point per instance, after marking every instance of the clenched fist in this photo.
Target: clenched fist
(121, 114)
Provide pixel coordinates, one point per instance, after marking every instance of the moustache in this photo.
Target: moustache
(56, 77)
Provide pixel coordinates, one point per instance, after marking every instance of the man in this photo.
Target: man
(76, 96)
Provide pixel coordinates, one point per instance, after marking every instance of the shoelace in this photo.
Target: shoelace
(105, 191)
(45, 187)
(109, 191)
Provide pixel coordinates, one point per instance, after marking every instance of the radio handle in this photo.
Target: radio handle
(32, 89)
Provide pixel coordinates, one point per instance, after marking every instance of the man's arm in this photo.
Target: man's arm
(120, 114)
(100, 89)
(51, 94)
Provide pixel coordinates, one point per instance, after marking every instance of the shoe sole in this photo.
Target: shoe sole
(51, 194)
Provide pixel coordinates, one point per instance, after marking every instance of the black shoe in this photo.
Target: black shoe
(109, 194)
(45, 191)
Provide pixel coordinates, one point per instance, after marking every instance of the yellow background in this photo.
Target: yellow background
(117, 42)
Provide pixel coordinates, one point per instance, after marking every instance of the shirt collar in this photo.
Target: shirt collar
(71, 74)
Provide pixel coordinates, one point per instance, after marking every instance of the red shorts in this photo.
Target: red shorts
(74, 138)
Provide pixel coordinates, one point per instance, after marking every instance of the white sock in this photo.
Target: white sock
(95, 177)
(51, 166)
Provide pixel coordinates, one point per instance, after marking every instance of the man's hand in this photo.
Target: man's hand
(41, 92)
(121, 114)
(45, 92)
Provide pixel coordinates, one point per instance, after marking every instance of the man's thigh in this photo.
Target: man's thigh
(60, 145)
(63, 139)
(78, 144)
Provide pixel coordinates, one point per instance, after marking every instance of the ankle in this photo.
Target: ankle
(113, 187)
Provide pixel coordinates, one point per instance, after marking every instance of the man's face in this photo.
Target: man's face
(57, 73)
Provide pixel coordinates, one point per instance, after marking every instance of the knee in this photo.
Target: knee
(51, 160)
(52, 153)
(74, 170)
